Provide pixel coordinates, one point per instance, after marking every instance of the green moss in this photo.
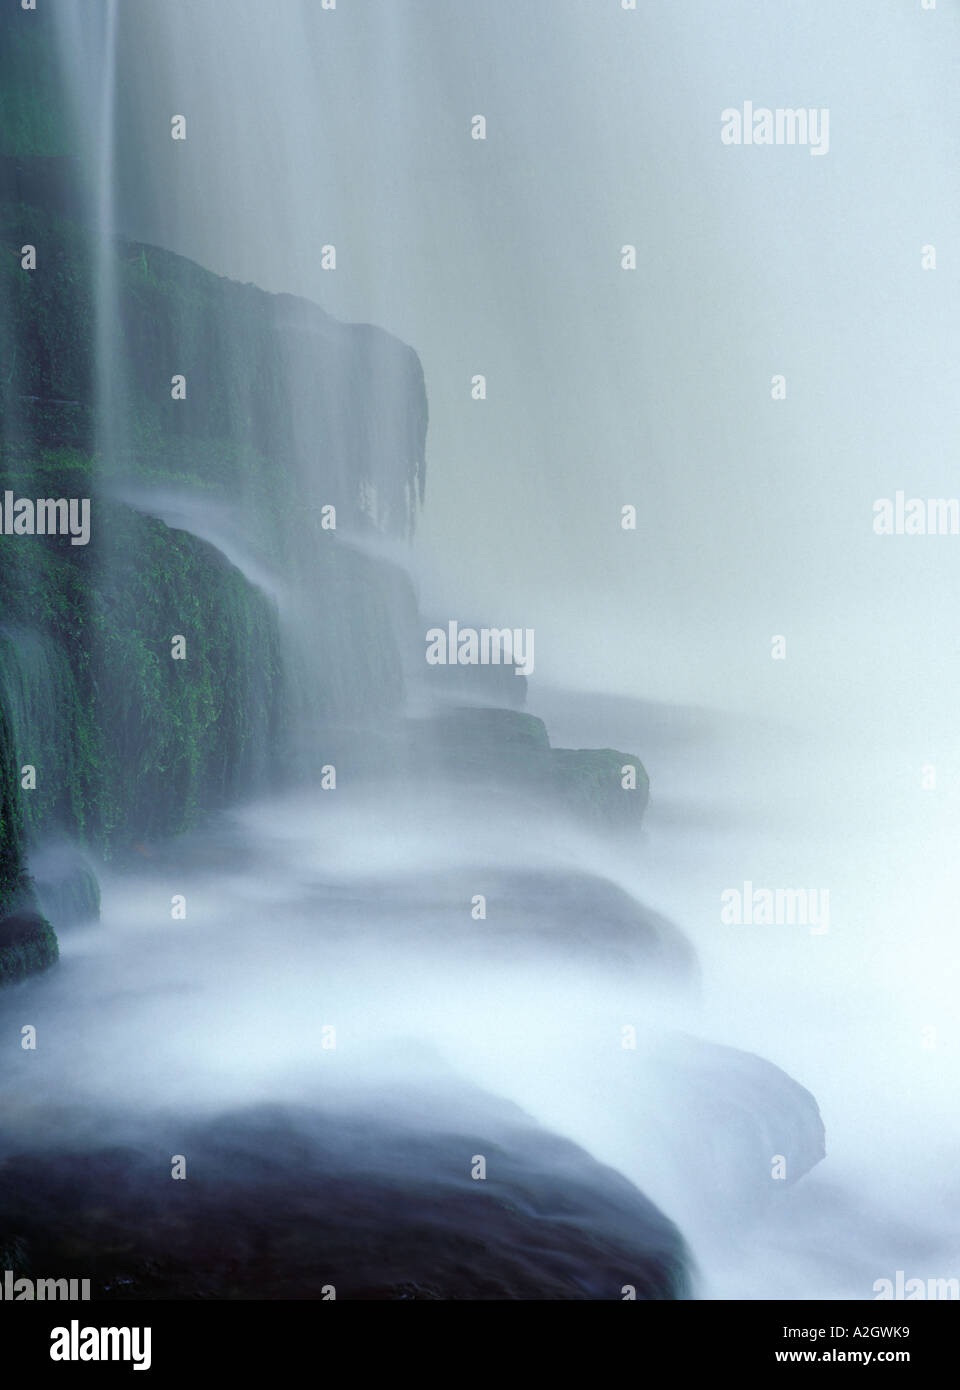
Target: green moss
(127, 741)
(179, 736)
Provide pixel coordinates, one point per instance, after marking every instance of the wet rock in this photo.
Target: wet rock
(293, 1203)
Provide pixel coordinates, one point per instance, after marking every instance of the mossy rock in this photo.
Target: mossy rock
(27, 944)
(590, 782)
(509, 749)
(11, 817)
(262, 369)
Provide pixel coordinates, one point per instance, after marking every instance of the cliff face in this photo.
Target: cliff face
(127, 741)
(285, 412)
(229, 626)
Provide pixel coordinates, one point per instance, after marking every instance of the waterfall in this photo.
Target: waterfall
(368, 938)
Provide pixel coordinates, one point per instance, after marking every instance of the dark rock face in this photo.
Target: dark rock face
(282, 1203)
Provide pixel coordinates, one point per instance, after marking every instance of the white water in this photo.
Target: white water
(302, 916)
(849, 1012)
